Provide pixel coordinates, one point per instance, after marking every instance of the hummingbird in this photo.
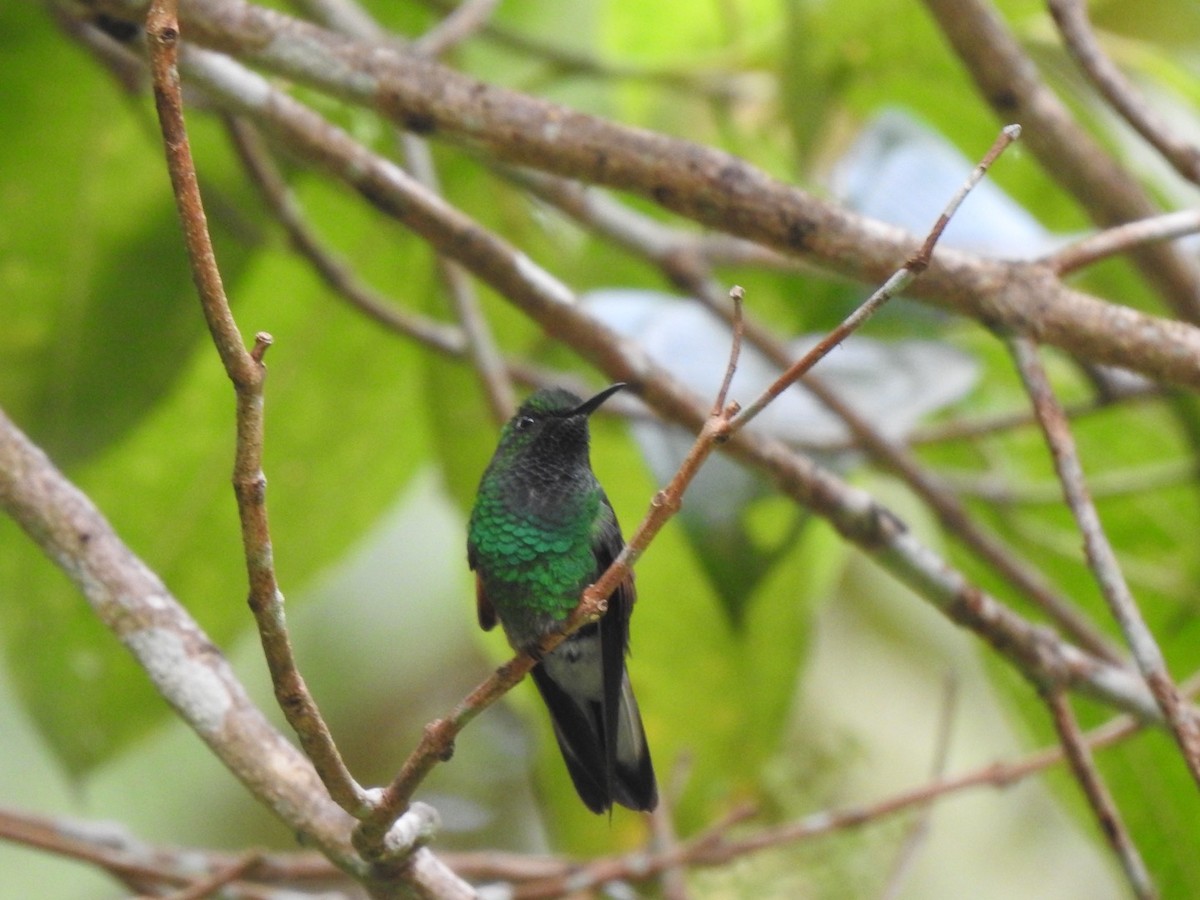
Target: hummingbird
(540, 532)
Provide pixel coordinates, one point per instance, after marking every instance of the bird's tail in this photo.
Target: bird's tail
(604, 771)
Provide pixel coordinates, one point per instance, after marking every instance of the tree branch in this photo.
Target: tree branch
(1009, 80)
(1101, 558)
(1072, 19)
(247, 372)
(1084, 769)
(178, 658)
(701, 183)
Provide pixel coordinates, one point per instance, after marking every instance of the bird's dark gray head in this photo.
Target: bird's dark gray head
(551, 423)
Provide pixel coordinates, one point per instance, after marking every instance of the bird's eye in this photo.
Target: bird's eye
(522, 423)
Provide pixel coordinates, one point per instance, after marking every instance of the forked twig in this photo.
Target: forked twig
(247, 372)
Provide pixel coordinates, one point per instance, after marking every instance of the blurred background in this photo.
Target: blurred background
(773, 663)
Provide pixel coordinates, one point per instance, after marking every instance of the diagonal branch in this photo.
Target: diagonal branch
(1079, 756)
(1009, 80)
(179, 659)
(1180, 715)
(707, 185)
(1071, 16)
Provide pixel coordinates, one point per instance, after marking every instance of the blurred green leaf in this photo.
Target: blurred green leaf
(345, 428)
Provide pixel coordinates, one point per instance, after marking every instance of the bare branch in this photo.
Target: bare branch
(1119, 238)
(1009, 80)
(466, 19)
(1102, 560)
(1072, 19)
(1101, 801)
(702, 183)
(246, 371)
(178, 657)
(919, 830)
(205, 887)
(334, 272)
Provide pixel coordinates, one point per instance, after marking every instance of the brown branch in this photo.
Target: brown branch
(459, 25)
(1072, 19)
(995, 488)
(247, 372)
(1102, 560)
(673, 880)
(705, 184)
(676, 251)
(1009, 80)
(282, 205)
(143, 866)
(177, 656)
(1120, 238)
(1084, 769)
(562, 59)
(481, 345)
(898, 281)
(221, 878)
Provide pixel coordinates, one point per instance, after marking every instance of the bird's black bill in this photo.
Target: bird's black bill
(587, 407)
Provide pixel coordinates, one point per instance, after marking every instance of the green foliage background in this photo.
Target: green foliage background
(104, 360)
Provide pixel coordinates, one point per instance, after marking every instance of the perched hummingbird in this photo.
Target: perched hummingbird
(541, 531)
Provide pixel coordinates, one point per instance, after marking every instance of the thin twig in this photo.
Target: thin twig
(282, 204)
(482, 350)
(464, 21)
(1079, 757)
(669, 247)
(984, 424)
(673, 880)
(246, 371)
(561, 58)
(1102, 560)
(900, 280)
(1121, 238)
(997, 489)
(203, 887)
(736, 296)
(1072, 19)
(919, 831)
